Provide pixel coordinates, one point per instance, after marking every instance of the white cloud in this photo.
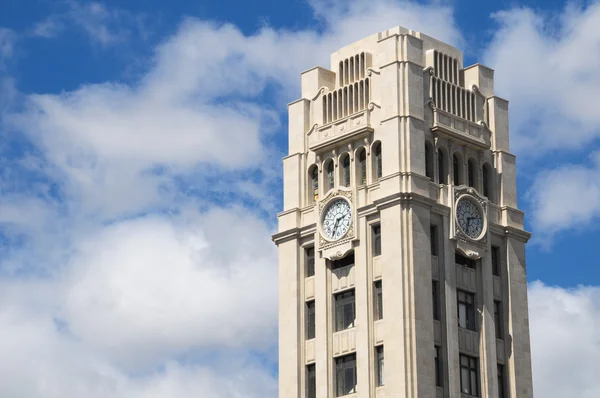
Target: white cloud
(7, 43)
(48, 28)
(565, 197)
(188, 295)
(104, 26)
(167, 302)
(564, 337)
(144, 307)
(547, 66)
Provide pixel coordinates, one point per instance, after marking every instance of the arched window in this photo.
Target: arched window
(472, 172)
(429, 160)
(346, 170)
(378, 161)
(457, 169)
(330, 177)
(314, 182)
(487, 181)
(362, 166)
(442, 167)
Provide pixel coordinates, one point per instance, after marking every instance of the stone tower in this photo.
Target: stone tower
(400, 239)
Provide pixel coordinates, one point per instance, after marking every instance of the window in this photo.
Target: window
(330, 178)
(433, 239)
(376, 230)
(345, 311)
(501, 382)
(309, 255)
(378, 160)
(314, 175)
(466, 310)
(438, 366)
(442, 170)
(378, 292)
(435, 293)
(471, 172)
(311, 381)
(346, 171)
(310, 320)
(469, 377)
(379, 365)
(343, 262)
(456, 168)
(495, 260)
(345, 375)
(429, 160)
(498, 320)
(486, 174)
(362, 167)
(462, 260)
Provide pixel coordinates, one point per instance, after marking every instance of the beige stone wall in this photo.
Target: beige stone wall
(384, 96)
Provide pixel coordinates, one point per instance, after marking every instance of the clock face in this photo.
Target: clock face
(337, 218)
(469, 218)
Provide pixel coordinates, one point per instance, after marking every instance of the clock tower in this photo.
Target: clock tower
(401, 246)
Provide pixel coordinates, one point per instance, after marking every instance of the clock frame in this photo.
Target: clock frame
(335, 249)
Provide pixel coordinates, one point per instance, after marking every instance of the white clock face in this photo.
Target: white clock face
(337, 219)
(469, 218)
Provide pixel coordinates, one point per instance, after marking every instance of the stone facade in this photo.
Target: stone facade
(401, 129)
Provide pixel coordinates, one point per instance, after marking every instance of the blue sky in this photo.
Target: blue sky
(140, 176)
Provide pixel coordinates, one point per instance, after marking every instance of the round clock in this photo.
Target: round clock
(469, 216)
(336, 219)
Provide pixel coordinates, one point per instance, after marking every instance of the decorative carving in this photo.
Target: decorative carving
(313, 128)
(322, 90)
(475, 89)
(371, 70)
(372, 105)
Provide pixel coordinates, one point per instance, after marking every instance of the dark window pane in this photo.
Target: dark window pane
(376, 240)
(469, 375)
(429, 161)
(345, 375)
(471, 173)
(501, 382)
(435, 297)
(330, 178)
(498, 320)
(466, 310)
(311, 382)
(310, 320)
(343, 262)
(310, 261)
(378, 300)
(438, 367)
(315, 182)
(344, 310)
(433, 239)
(379, 365)
(456, 170)
(462, 260)
(442, 174)
(362, 165)
(496, 260)
(346, 171)
(378, 161)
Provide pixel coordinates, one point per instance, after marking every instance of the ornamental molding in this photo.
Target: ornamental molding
(371, 70)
